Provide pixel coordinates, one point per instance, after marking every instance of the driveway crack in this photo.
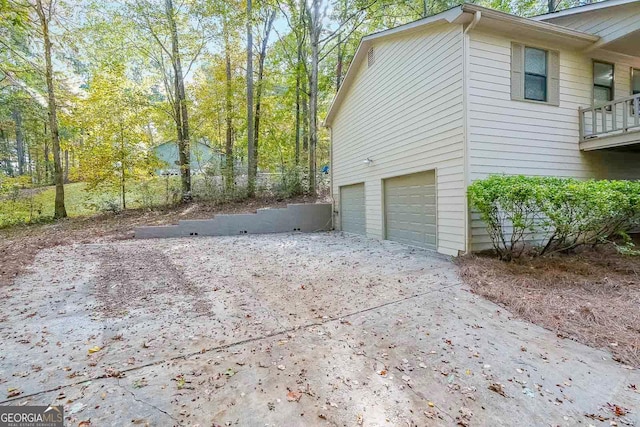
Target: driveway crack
(147, 403)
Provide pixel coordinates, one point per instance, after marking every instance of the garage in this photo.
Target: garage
(352, 216)
(410, 209)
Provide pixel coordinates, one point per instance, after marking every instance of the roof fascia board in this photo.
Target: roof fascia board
(527, 22)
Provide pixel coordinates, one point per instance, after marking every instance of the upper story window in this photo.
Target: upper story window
(535, 74)
(635, 81)
(603, 79)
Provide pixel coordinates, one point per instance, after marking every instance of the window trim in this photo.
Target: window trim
(593, 80)
(545, 75)
(518, 74)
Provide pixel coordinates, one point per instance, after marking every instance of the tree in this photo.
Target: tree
(44, 13)
(251, 138)
(179, 36)
(269, 18)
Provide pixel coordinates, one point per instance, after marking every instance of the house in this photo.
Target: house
(427, 108)
(203, 157)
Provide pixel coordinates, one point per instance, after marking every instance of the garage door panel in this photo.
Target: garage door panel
(352, 209)
(410, 209)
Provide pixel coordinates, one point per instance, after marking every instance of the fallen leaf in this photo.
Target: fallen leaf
(294, 396)
(498, 389)
(13, 392)
(596, 417)
(619, 411)
(94, 349)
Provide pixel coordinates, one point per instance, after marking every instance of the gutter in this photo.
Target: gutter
(530, 23)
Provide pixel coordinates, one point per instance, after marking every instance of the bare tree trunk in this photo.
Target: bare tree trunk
(44, 16)
(182, 117)
(252, 165)
(261, 58)
(5, 153)
(314, 35)
(298, 128)
(66, 166)
(229, 120)
(305, 113)
(17, 118)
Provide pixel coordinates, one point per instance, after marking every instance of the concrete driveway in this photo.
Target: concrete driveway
(288, 330)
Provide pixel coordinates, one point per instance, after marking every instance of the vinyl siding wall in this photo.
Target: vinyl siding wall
(516, 137)
(406, 114)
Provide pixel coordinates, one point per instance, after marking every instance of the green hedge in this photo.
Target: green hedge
(553, 214)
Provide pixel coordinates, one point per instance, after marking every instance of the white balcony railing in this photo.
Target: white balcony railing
(612, 118)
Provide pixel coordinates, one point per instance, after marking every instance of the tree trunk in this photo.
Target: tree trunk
(66, 166)
(6, 157)
(252, 165)
(180, 108)
(314, 35)
(17, 118)
(298, 107)
(305, 113)
(229, 120)
(261, 59)
(60, 210)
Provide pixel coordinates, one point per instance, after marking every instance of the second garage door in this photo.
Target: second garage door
(410, 209)
(352, 216)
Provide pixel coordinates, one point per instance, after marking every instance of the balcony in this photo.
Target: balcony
(611, 125)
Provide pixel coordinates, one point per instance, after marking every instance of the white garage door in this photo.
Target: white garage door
(410, 209)
(352, 217)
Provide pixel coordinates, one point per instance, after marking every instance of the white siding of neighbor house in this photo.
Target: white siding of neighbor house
(406, 114)
(609, 23)
(516, 137)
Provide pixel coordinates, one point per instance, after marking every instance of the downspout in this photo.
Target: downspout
(333, 200)
(465, 125)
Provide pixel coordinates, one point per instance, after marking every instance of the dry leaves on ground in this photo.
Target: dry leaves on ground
(591, 297)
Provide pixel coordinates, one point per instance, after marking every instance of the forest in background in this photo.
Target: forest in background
(89, 87)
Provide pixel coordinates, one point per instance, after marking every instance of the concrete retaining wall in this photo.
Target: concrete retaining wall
(297, 217)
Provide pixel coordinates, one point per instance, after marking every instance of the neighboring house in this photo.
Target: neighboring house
(202, 157)
(429, 107)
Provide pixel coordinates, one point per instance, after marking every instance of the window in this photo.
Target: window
(635, 81)
(535, 74)
(602, 83)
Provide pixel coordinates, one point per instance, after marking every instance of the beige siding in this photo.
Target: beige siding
(406, 114)
(516, 137)
(609, 23)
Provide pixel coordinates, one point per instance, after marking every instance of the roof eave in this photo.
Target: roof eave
(531, 24)
(582, 9)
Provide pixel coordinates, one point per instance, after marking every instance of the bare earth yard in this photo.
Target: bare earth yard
(288, 330)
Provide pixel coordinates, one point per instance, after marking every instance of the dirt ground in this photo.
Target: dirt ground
(288, 330)
(19, 245)
(592, 297)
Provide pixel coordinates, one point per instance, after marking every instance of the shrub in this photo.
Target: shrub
(553, 214)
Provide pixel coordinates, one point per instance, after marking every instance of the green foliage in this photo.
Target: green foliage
(553, 214)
